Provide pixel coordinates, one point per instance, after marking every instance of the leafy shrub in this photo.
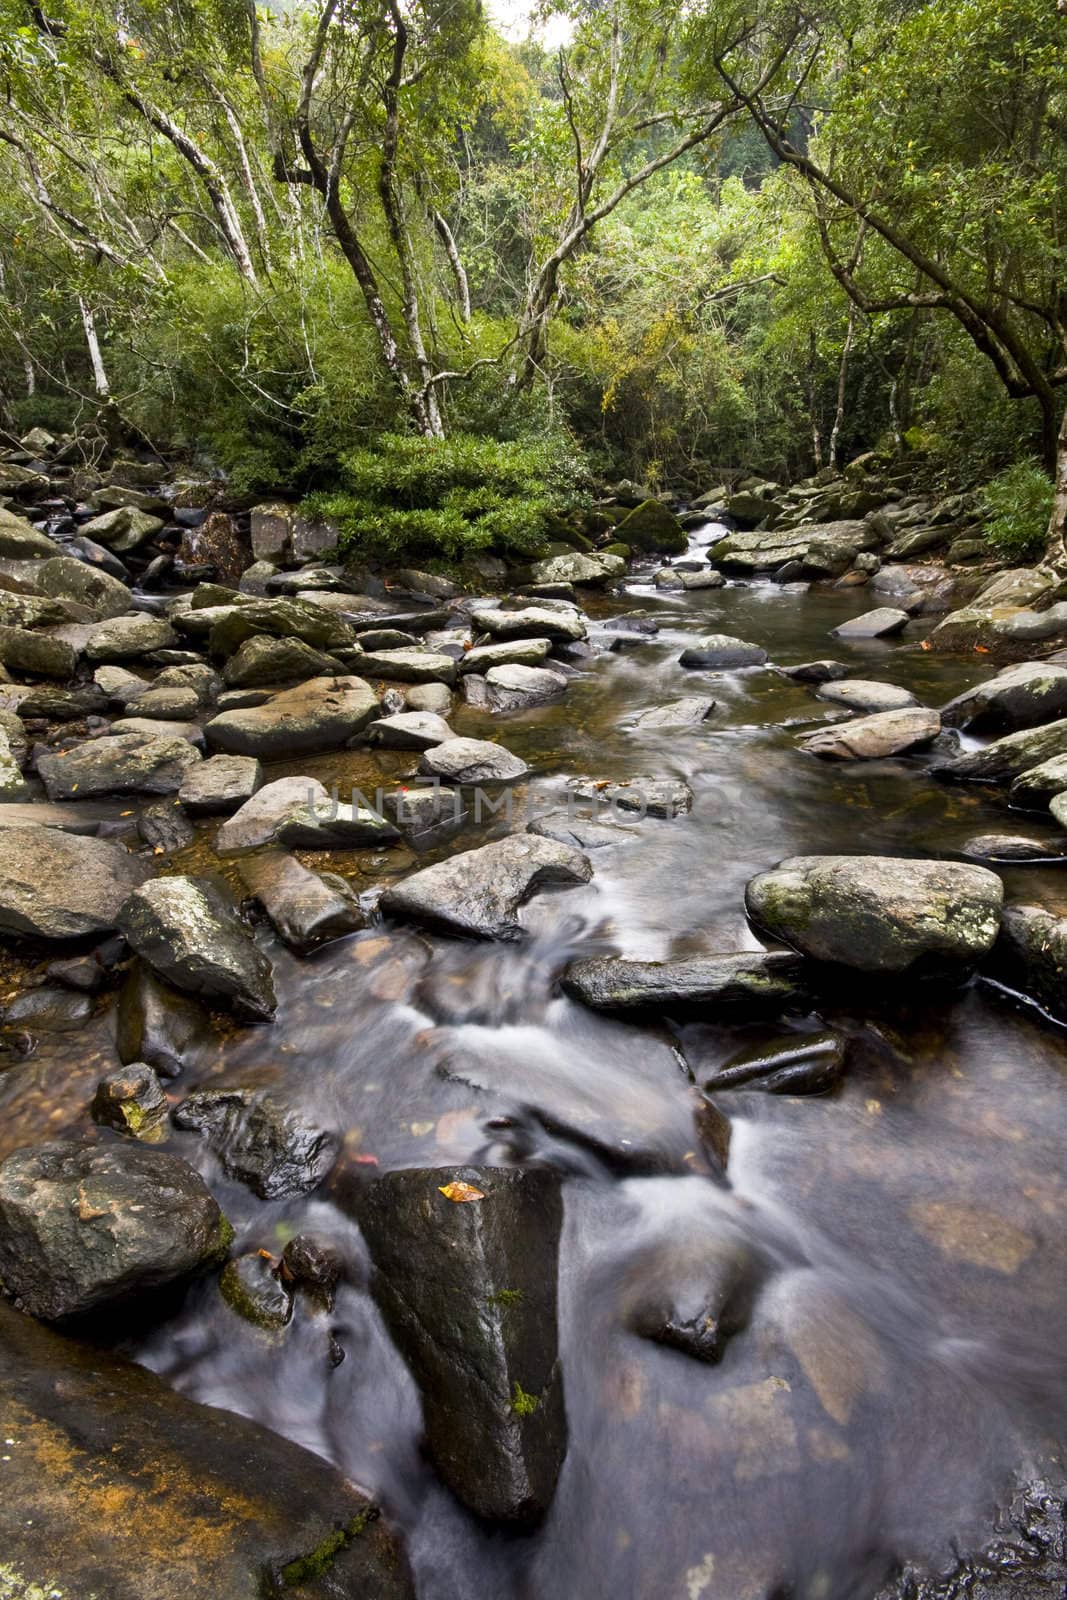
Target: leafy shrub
(446, 499)
(1019, 503)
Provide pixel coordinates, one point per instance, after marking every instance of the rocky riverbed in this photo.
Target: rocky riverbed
(557, 1083)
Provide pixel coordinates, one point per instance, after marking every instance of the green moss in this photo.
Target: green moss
(523, 1404)
(504, 1297)
(319, 1560)
(650, 526)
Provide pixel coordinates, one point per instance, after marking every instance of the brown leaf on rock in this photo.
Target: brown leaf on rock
(460, 1192)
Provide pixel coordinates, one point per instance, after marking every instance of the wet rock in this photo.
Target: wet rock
(578, 832)
(81, 1224)
(313, 1267)
(517, 688)
(37, 654)
(1007, 758)
(512, 652)
(425, 816)
(299, 812)
(686, 712)
(1030, 957)
(1026, 1560)
(48, 1010)
(305, 908)
(322, 714)
(156, 1025)
(409, 730)
(722, 650)
(127, 763)
(260, 1141)
(595, 569)
(472, 761)
(220, 785)
(131, 1100)
(126, 638)
(887, 733)
(533, 622)
(877, 624)
(386, 639)
(859, 694)
(244, 1510)
(745, 983)
(164, 827)
(263, 659)
(300, 619)
(468, 1290)
(1034, 789)
(56, 885)
(792, 1064)
(651, 527)
(64, 578)
(250, 1285)
(409, 666)
(816, 672)
(190, 934)
(1008, 847)
(645, 797)
(477, 894)
(691, 1294)
(880, 914)
(1022, 696)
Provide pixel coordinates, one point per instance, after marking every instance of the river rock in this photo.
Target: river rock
(650, 526)
(158, 728)
(409, 666)
(1037, 787)
(516, 688)
(322, 714)
(13, 786)
(533, 622)
(877, 624)
(220, 785)
(165, 705)
(690, 1293)
(314, 624)
(259, 1140)
(81, 1224)
(684, 713)
(580, 833)
(305, 908)
(646, 797)
(477, 894)
(40, 814)
(299, 812)
(37, 654)
(57, 885)
(64, 578)
(1021, 696)
(127, 637)
(1012, 847)
(56, 704)
(880, 914)
(156, 1025)
(264, 659)
(409, 730)
(509, 652)
(165, 827)
(595, 569)
(20, 542)
(131, 1100)
(244, 1511)
(251, 1286)
(887, 733)
(1030, 957)
(123, 529)
(683, 580)
(816, 672)
(127, 763)
(468, 1291)
(739, 984)
(814, 550)
(859, 694)
(48, 1010)
(1007, 758)
(722, 650)
(796, 1063)
(472, 761)
(191, 935)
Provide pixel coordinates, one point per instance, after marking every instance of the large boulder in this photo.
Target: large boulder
(190, 934)
(124, 638)
(746, 983)
(861, 694)
(260, 1140)
(477, 894)
(220, 784)
(285, 619)
(138, 1492)
(414, 665)
(877, 624)
(517, 688)
(465, 1271)
(532, 622)
(300, 812)
(722, 650)
(1030, 957)
(643, 796)
(56, 885)
(305, 908)
(322, 714)
(124, 529)
(409, 730)
(816, 550)
(64, 578)
(20, 542)
(1007, 758)
(595, 569)
(81, 1224)
(37, 654)
(1037, 787)
(509, 652)
(1021, 696)
(651, 527)
(880, 914)
(886, 733)
(124, 763)
(472, 761)
(265, 659)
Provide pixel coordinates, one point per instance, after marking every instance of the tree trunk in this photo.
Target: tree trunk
(99, 370)
(1057, 522)
(842, 384)
(813, 402)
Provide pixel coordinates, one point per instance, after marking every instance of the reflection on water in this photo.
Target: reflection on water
(902, 1351)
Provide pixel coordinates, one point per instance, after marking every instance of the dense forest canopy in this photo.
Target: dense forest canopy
(715, 234)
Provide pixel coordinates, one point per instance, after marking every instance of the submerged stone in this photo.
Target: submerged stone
(477, 894)
(792, 1064)
(745, 983)
(261, 1141)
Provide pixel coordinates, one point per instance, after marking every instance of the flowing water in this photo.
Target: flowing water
(904, 1356)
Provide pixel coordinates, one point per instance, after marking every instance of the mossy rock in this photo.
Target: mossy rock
(617, 548)
(650, 526)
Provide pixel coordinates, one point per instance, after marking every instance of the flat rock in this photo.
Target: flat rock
(41, 814)
(861, 694)
(158, 728)
(880, 914)
(509, 652)
(533, 622)
(322, 714)
(124, 529)
(57, 704)
(260, 1140)
(684, 713)
(877, 624)
(81, 1224)
(190, 934)
(468, 1291)
(409, 730)
(743, 983)
(580, 833)
(299, 812)
(219, 785)
(1007, 758)
(816, 672)
(595, 569)
(316, 625)
(127, 763)
(305, 908)
(473, 761)
(811, 1063)
(56, 885)
(722, 650)
(514, 687)
(127, 637)
(409, 666)
(264, 659)
(64, 578)
(20, 542)
(1009, 847)
(477, 894)
(886, 733)
(1021, 696)
(646, 797)
(166, 705)
(38, 654)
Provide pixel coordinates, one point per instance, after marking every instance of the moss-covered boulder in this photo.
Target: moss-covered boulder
(650, 526)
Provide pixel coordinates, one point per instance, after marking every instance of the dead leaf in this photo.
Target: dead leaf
(460, 1192)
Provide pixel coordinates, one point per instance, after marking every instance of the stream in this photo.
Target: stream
(903, 1361)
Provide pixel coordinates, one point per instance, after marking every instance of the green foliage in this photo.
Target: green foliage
(1019, 502)
(447, 499)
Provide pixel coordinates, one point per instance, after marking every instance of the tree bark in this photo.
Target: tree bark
(842, 384)
(1057, 522)
(100, 380)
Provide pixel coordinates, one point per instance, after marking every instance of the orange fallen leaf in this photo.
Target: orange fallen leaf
(459, 1192)
(981, 649)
